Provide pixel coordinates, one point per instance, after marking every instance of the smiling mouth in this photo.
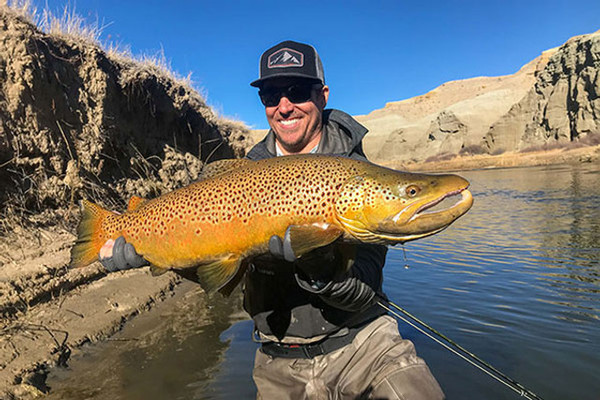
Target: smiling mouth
(289, 122)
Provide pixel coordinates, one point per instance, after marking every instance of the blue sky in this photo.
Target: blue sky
(373, 52)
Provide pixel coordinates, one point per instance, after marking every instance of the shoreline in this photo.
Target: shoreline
(49, 311)
(506, 160)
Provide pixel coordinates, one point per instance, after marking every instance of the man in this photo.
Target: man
(322, 333)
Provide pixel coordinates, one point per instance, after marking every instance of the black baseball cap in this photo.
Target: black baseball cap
(291, 59)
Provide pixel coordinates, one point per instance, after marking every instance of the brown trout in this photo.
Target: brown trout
(214, 226)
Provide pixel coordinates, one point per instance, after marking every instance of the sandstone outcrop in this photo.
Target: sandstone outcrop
(551, 101)
(562, 107)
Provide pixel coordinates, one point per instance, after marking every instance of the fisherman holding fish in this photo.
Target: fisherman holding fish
(321, 331)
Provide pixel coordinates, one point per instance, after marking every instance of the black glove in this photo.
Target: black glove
(123, 257)
(324, 272)
(317, 266)
(346, 293)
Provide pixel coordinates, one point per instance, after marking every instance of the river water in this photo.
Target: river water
(515, 281)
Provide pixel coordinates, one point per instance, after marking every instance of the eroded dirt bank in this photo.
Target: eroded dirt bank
(76, 122)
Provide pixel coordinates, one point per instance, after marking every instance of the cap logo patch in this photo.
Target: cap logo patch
(283, 58)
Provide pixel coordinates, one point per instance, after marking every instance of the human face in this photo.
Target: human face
(297, 126)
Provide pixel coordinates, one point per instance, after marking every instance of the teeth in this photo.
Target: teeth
(288, 121)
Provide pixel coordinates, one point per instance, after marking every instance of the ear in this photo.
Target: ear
(324, 96)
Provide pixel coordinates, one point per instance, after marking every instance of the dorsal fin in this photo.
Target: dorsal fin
(222, 166)
(135, 202)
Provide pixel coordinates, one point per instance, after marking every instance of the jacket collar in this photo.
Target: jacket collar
(342, 135)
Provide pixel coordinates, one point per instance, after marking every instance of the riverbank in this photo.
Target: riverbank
(80, 121)
(586, 154)
(49, 311)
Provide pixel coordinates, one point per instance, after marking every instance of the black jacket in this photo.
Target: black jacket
(285, 305)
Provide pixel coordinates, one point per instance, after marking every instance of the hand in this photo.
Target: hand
(282, 249)
(347, 293)
(317, 267)
(118, 255)
(324, 271)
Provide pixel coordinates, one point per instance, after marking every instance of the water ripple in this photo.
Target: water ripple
(521, 269)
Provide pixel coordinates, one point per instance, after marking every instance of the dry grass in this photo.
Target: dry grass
(157, 63)
(591, 139)
(69, 24)
(440, 157)
(23, 8)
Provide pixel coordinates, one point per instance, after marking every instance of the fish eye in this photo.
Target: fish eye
(412, 190)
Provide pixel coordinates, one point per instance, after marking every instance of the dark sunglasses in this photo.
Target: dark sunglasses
(296, 93)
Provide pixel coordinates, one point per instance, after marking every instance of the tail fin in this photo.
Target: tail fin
(89, 235)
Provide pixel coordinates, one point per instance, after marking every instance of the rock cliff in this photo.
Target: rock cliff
(563, 106)
(551, 101)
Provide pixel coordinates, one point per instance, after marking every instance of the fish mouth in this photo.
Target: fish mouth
(466, 198)
(425, 221)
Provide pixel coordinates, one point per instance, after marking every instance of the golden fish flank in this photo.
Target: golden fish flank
(213, 226)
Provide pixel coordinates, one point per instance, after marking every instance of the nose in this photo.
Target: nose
(285, 106)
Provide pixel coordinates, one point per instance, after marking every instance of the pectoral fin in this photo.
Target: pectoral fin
(304, 238)
(213, 276)
(235, 280)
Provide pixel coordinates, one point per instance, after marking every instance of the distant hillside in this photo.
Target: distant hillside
(551, 101)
